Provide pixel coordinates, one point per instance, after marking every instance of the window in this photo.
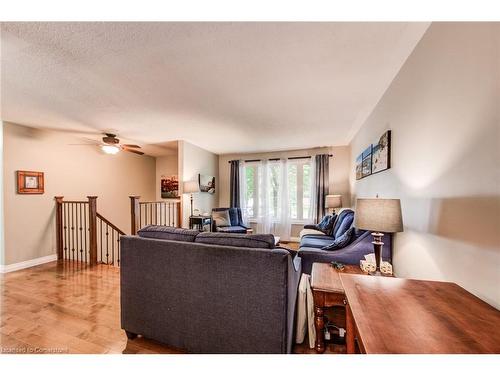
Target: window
(274, 189)
(299, 189)
(263, 189)
(251, 185)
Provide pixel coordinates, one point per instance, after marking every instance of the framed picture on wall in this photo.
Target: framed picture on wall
(381, 154)
(29, 182)
(366, 163)
(359, 166)
(169, 187)
(207, 183)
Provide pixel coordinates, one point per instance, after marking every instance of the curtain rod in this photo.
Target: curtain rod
(275, 159)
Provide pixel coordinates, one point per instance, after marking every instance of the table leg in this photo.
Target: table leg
(349, 322)
(319, 324)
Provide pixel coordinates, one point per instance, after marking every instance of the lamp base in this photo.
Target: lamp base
(377, 249)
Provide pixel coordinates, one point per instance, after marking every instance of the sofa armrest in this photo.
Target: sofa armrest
(294, 274)
(311, 226)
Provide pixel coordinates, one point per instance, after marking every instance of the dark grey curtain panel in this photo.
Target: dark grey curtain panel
(234, 184)
(321, 185)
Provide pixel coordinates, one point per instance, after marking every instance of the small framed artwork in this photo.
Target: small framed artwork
(206, 183)
(366, 163)
(359, 165)
(169, 187)
(382, 153)
(29, 182)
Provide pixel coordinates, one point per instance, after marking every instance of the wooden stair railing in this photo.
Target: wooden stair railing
(84, 235)
(154, 213)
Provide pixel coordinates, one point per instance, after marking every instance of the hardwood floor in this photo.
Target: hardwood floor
(71, 308)
(66, 308)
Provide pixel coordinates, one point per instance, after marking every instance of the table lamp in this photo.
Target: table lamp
(333, 201)
(190, 187)
(378, 215)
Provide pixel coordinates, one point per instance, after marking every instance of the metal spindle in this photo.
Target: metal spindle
(107, 244)
(65, 219)
(81, 238)
(72, 235)
(85, 230)
(118, 254)
(101, 242)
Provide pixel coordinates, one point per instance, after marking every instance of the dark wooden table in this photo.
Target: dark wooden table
(392, 315)
(327, 292)
(200, 221)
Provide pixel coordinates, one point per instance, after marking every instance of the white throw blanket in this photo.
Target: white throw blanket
(305, 312)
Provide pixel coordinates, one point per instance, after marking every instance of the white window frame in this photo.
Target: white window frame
(300, 189)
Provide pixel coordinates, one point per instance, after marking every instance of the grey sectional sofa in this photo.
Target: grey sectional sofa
(209, 292)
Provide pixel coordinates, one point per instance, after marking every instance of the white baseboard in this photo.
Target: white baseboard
(27, 264)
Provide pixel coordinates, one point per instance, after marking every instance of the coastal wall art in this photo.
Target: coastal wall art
(381, 156)
(375, 158)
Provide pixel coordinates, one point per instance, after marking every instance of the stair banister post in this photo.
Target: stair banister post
(179, 213)
(93, 229)
(134, 214)
(59, 227)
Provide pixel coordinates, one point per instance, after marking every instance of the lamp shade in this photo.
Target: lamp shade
(379, 215)
(333, 201)
(191, 187)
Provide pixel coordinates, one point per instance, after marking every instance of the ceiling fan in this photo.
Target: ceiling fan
(111, 145)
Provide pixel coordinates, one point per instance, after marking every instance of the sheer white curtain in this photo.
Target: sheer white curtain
(312, 193)
(243, 193)
(283, 225)
(264, 219)
(273, 195)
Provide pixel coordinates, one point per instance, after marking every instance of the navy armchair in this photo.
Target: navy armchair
(237, 225)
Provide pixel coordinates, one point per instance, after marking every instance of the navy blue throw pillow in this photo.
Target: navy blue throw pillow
(341, 241)
(326, 224)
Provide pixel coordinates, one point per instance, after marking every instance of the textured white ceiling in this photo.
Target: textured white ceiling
(227, 87)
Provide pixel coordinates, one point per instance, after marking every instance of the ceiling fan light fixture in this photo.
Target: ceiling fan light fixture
(109, 149)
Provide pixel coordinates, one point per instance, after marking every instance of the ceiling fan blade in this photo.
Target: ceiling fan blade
(134, 151)
(83, 144)
(132, 146)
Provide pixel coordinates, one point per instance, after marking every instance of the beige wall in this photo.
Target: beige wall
(2, 238)
(167, 165)
(338, 172)
(443, 109)
(192, 161)
(72, 171)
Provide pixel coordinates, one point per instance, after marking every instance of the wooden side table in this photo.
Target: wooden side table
(200, 222)
(327, 292)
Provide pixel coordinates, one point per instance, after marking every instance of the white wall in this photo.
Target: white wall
(192, 161)
(339, 170)
(71, 171)
(443, 109)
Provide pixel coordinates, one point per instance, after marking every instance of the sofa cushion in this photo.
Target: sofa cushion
(232, 229)
(262, 241)
(163, 232)
(343, 223)
(222, 218)
(306, 232)
(326, 224)
(316, 241)
(341, 241)
(314, 250)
